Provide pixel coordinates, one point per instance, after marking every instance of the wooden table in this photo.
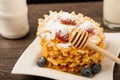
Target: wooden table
(10, 50)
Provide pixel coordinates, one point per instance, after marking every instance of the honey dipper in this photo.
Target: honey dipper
(79, 39)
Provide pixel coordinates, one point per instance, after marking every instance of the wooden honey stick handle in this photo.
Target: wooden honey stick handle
(79, 39)
(106, 53)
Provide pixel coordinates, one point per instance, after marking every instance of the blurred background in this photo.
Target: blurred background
(55, 1)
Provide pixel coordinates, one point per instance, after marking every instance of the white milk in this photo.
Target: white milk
(14, 27)
(13, 18)
(111, 13)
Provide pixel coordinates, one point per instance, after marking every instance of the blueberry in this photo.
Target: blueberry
(41, 61)
(96, 68)
(86, 71)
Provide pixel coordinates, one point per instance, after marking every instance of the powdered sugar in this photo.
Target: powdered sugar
(86, 25)
(63, 45)
(64, 31)
(53, 25)
(94, 38)
(49, 36)
(66, 15)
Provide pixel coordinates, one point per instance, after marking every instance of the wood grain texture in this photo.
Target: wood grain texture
(10, 50)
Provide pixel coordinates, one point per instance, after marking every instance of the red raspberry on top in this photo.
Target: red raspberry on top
(91, 31)
(62, 35)
(88, 26)
(67, 19)
(68, 22)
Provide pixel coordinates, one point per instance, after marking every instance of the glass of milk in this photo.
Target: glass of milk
(111, 13)
(13, 18)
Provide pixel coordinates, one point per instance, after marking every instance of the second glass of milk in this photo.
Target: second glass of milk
(111, 13)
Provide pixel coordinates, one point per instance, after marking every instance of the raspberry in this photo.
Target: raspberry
(91, 30)
(68, 22)
(62, 37)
